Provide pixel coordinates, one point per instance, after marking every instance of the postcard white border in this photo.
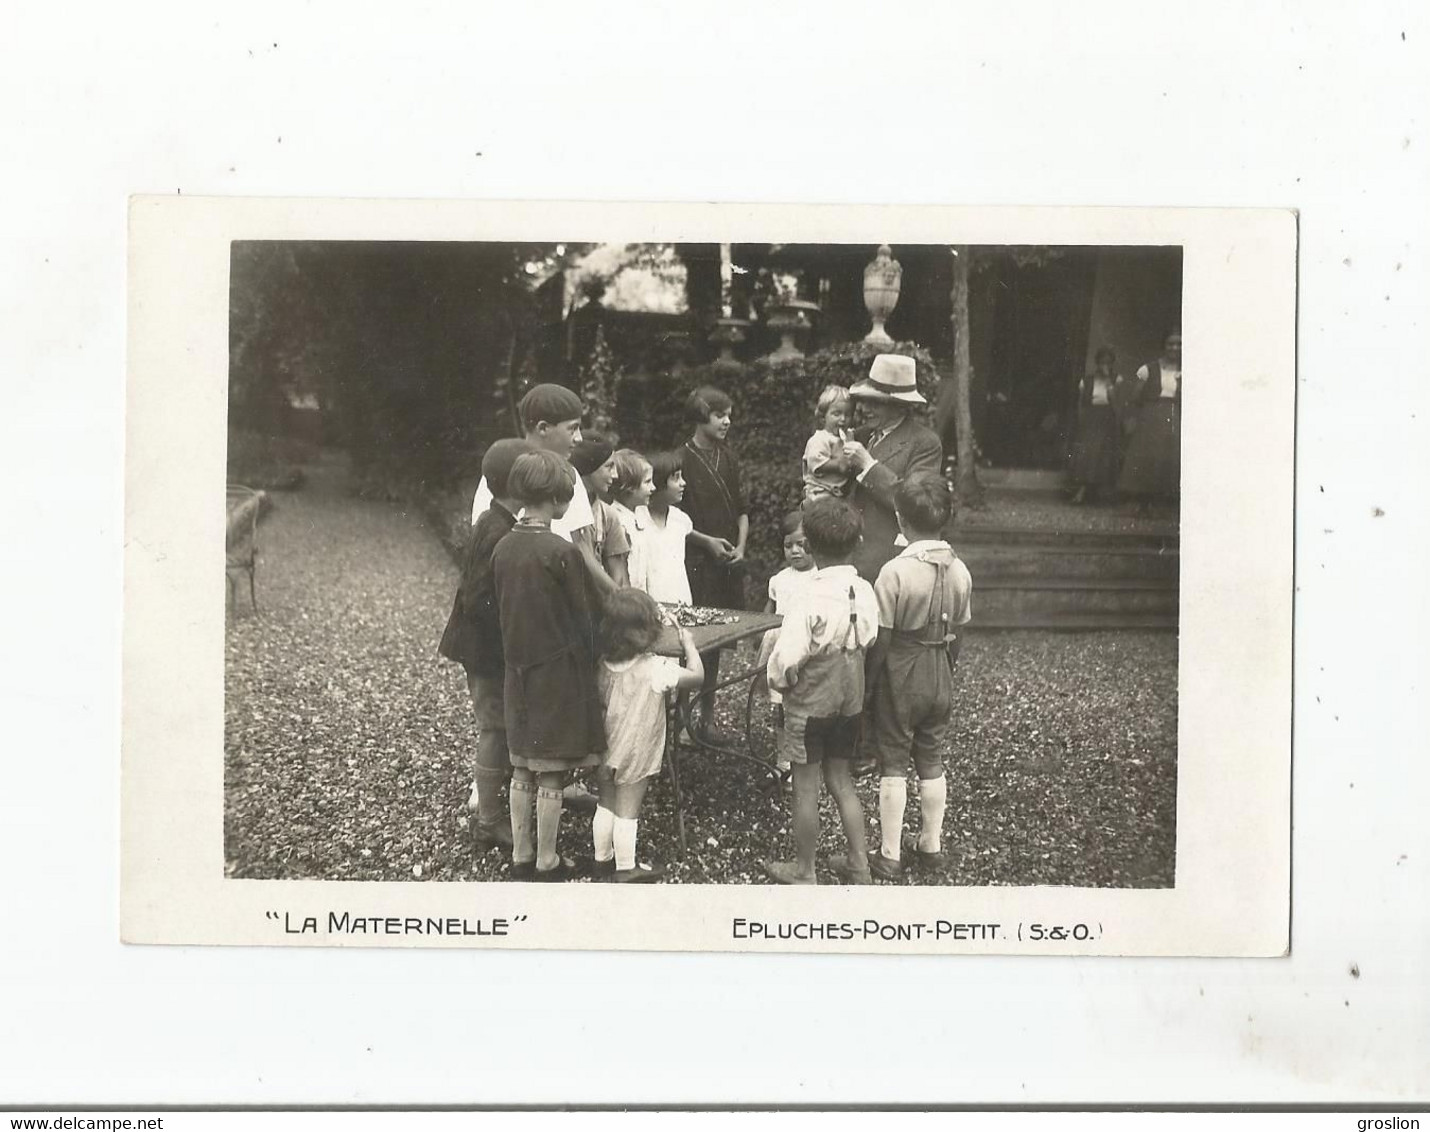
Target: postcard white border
(1232, 888)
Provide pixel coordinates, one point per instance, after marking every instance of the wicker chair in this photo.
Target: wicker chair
(244, 505)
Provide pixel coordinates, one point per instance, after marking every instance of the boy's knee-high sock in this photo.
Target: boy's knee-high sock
(603, 826)
(625, 843)
(933, 797)
(548, 824)
(893, 797)
(523, 821)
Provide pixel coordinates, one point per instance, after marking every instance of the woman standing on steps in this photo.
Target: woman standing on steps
(1095, 451)
(1152, 468)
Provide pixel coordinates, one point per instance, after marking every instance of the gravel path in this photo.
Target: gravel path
(347, 737)
(346, 734)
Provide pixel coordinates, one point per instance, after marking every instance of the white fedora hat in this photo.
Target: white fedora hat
(891, 378)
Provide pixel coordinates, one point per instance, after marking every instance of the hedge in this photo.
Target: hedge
(773, 417)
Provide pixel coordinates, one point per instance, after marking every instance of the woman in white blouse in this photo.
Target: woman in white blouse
(1095, 449)
(1152, 468)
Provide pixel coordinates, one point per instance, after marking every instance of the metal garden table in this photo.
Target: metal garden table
(707, 639)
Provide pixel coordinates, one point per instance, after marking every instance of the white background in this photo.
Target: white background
(1321, 107)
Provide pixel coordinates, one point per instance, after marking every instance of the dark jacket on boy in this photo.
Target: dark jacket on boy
(548, 624)
(473, 634)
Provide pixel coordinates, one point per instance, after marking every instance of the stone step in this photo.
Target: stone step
(1075, 622)
(1155, 537)
(1069, 561)
(1010, 598)
(1041, 480)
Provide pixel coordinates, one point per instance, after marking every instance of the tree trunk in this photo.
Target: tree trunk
(970, 491)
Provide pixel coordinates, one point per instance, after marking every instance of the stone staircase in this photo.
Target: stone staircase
(1073, 580)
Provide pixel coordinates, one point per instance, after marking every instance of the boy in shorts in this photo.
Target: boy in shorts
(925, 598)
(818, 666)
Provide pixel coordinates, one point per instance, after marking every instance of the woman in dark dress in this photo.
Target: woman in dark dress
(1096, 449)
(715, 548)
(1152, 468)
(715, 502)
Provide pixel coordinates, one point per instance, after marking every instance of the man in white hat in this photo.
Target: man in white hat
(892, 446)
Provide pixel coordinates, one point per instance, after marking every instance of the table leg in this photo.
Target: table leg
(673, 724)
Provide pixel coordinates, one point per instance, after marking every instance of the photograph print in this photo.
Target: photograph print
(717, 564)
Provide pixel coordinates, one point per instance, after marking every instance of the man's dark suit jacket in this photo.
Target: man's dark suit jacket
(909, 448)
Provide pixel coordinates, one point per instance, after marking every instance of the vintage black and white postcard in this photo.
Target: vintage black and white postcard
(704, 577)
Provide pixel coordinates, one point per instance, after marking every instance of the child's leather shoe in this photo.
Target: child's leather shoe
(488, 837)
(846, 872)
(883, 868)
(787, 872)
(641, 874)
(910, 849)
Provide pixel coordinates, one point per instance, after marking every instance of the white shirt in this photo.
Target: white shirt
(818, 657)
(662, 554)
(578, 513)
(1171, 375)
(786, 586)
(1102, 389)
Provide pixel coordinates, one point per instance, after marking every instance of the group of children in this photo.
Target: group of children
(573, 546)
(866, 666)
(556, 619)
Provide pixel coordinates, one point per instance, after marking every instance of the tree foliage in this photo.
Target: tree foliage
(409, 349)
(600, 385)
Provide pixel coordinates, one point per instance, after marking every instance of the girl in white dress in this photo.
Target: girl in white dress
(633, 682)
(664, 527)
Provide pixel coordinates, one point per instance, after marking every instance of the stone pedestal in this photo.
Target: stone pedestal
(728, 333)
(790, 319)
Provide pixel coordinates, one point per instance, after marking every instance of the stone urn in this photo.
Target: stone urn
(788, 319)
(881, 292)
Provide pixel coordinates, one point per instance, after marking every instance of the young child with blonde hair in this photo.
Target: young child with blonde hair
(826, 469)
(631, 487)
(634, 682)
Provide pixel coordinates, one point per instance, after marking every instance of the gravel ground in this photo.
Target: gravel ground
(347, 738)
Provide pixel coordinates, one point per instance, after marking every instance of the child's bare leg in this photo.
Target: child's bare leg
(794, 743)
(523, 817)
(711, 661)
(851, 814)
(548, 817)
(807, 779)
(708, 731)
(628, 798)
